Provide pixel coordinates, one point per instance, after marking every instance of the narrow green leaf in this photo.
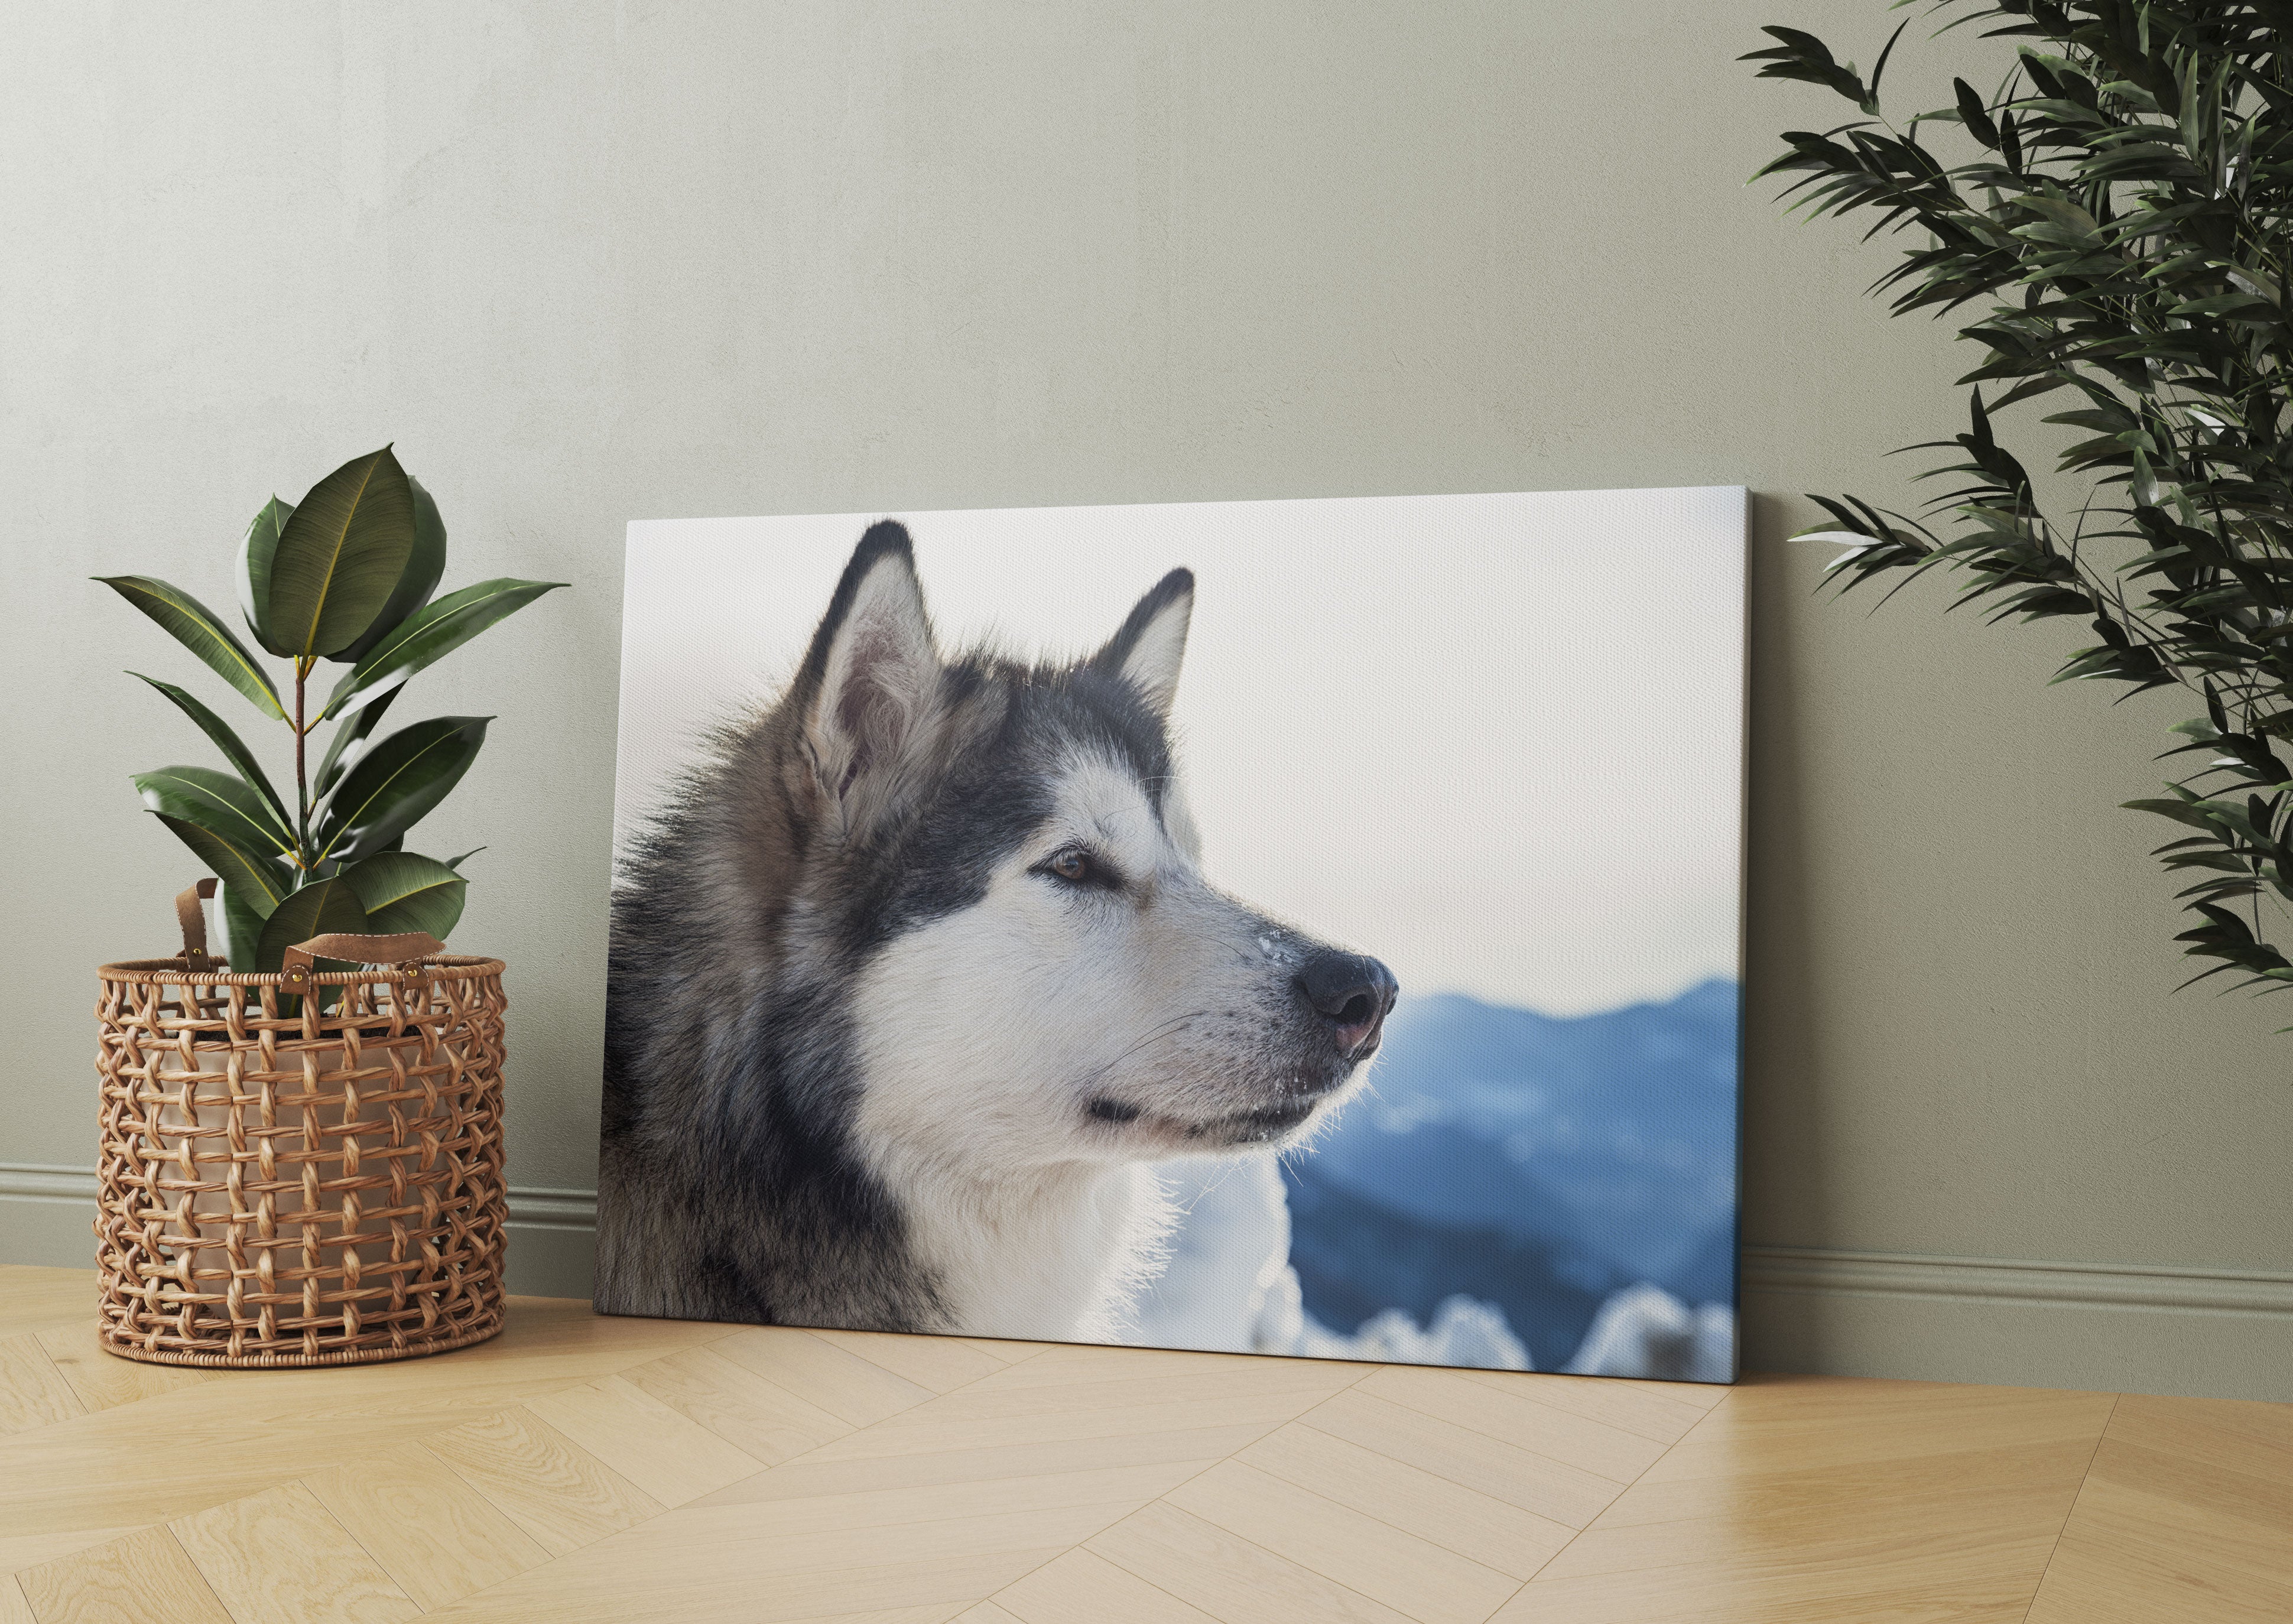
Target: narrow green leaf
(1975, 115)
(257, 549)
(196, 627)
(261, 880)
(234, 748)
(403, 891)
(397, 782)
(429, 636)
(340, 556)
(423, 565)
(1870, 102)
(456, 862)
(320, 908)
(217, 801)
(349, 743)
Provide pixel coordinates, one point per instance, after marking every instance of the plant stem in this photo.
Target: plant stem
(301, 786)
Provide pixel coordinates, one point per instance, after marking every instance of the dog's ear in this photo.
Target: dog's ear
(870, 683)
(1147, 651)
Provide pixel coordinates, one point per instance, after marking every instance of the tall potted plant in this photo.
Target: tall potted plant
(302, 1153)
(347, 575)
(2116, 218)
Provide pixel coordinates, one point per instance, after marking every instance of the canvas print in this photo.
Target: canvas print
(1293, 927)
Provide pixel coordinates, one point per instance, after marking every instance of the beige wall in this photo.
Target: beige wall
(586, 262)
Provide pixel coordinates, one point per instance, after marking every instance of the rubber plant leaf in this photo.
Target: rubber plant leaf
(349, 743)
(257, 549)
(340, 556)
(320, 908)
(233, 747)
(194, 626)
(423, 565)
(261, 883)
(402, 891)
(242, 929)
(216, 801)
(435, 631)
(397, 782)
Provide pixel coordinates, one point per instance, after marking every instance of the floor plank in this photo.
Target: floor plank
(1413, 1576)
(244, 1432)
(280, 1557)
(19, 1551)
(1188, 1451)
(430, 1530)
(143, 1578)
(676, 1567)
(1827, 1500)
(931, 1500)
(2197, 1529)
(1988, 1583)
(855, 1391)
(1008, 1352)
(1653, 1409)
(753, 1413)
(1511, 1415)
(1064, 1364)
(560, 1494)
(1082, 1588)
(102, 1379)
(35, 1298)
(1476, 1525)
(1536, 1483)
(985, 1613)
(940, 1363)
(1229, 1577)
(661, 1450)
(33, 1392)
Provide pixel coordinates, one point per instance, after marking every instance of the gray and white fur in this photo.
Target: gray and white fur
(918, 976)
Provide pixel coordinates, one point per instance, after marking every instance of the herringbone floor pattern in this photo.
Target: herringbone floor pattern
(616, 1470)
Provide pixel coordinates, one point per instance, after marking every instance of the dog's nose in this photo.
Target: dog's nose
(1353, 992)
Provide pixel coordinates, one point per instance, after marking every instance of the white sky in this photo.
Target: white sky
(1495, 740)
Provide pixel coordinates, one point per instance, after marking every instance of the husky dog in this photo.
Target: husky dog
(919, 974)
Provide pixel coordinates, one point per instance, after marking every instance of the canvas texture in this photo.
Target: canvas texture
(1297, 927)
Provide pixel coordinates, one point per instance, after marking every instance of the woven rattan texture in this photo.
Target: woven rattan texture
(287, 1184)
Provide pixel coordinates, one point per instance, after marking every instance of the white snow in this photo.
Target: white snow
(1645, 1331)
(1228, 1287)
(1463, 1332)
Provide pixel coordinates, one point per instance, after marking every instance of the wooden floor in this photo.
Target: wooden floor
(619, 1470)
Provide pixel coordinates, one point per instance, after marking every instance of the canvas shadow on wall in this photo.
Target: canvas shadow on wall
(1296, 927)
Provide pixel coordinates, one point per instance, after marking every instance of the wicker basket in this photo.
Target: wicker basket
(293, 1175)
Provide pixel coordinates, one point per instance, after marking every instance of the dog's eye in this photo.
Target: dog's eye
(1079, 866)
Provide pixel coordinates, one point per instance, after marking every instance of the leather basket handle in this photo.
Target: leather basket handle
(296, 965)
(193, 920)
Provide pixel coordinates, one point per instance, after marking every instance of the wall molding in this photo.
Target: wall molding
(533, 1207)
(1828, 1272)
(1803, 1271)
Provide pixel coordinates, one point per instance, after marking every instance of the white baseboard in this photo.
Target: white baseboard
(2147, 1327)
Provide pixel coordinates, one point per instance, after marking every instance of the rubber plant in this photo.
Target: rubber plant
(345, 576)
(2110, 224)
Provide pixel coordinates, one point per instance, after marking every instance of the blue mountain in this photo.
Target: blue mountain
(1534, 1161)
